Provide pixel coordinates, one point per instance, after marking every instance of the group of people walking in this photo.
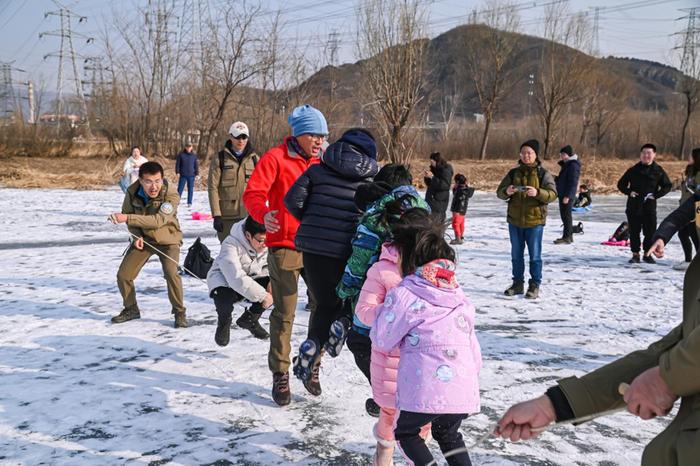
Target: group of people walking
(379, 272)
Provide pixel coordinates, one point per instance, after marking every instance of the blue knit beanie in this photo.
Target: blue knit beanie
(362, 139)
(307, 120)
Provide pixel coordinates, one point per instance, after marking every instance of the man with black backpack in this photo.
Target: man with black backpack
(229, 172)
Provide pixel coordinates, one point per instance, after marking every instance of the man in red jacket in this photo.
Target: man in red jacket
(274, 174)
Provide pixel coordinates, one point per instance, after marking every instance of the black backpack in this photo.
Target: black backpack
(198, 260)
(578, 229)
(622, 233)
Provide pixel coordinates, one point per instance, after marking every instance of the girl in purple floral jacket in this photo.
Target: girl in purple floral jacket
(431, 321)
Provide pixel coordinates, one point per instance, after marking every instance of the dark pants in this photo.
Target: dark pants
(190, 187)
(225, 297)
(445, 430)
(322, 275)
(565, 212)
(644, 222)
(689, 237)
(361, 348)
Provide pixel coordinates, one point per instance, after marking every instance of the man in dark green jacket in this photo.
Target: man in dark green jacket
(150, 213)
(666, 370)
(528, 188)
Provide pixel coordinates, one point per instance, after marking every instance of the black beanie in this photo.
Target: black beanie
(534, 144)
(568, 150)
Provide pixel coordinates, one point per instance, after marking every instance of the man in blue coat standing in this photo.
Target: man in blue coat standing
(187, 166)
(567, 185)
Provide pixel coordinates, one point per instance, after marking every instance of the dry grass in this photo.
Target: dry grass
(99, 172)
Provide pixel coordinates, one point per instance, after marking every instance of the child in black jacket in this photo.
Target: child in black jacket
(460, 201)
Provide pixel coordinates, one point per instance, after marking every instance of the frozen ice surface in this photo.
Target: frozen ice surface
(75, 389)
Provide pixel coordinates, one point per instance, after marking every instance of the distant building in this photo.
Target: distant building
(52, 119)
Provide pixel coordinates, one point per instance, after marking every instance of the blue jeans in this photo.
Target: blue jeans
(533, 238)
(190, 187)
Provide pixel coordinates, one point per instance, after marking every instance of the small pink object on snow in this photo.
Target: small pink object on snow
(201, 216)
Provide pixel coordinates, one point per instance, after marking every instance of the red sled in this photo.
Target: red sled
(614, 242)
(201, 216)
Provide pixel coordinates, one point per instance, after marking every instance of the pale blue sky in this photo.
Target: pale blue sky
(626, 28)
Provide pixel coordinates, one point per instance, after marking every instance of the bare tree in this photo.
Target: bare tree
(563, 67)
(491, 48)
(604, 99)
(389, 42)
(232, 56)
(689, 88)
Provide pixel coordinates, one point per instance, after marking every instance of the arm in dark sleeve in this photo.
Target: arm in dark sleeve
(196, 165)
(676, 220)
(573, 181)
(470, 192)
(443, 181)
(664, 186)
(178, 164)
(623, 183)
(295, 199)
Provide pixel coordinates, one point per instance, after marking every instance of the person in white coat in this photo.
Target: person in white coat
(240, 272)
(133, 163)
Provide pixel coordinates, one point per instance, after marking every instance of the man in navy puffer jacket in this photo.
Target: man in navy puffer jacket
(567, 185)
(322, 199)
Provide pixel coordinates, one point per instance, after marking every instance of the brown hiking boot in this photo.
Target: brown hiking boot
(180, 320)
(280, 388)
(313, 385)
(516, 288)
(126, 315)
(533, 291)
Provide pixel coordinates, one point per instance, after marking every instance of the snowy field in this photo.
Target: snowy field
(75, 389)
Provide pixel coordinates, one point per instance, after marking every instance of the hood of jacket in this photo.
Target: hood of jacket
(573, 158)
(448, 298)
(348, 161)
(237, 238)
(389, 253)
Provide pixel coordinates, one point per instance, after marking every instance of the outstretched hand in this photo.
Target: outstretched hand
(520, 420)
(117, 217)
(657, 249)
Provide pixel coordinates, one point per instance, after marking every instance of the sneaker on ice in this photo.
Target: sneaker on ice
(338, 333)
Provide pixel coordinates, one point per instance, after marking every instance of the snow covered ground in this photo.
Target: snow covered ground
(75, 389)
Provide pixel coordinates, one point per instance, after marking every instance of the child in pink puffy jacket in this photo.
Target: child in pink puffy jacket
(382, 277)
(430, 320)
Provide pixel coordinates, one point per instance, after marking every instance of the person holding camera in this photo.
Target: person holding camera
(527, 188)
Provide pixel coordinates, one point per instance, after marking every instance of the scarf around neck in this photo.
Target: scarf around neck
(439, 273)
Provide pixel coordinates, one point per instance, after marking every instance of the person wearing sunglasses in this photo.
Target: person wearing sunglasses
(229, 172)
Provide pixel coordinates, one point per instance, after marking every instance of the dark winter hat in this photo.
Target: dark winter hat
(361, 139)
(568, 150)
(533, 144)
(648, 146)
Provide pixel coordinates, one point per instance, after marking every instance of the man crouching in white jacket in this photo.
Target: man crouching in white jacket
(240, 272)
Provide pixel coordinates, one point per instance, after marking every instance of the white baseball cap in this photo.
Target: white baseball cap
(238, 128)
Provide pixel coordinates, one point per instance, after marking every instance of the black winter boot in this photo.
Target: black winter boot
(223, 329)
(516, 288)
(338, 333)
(533, 290)
(126, 315)
(250, 320)
(372, 407)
